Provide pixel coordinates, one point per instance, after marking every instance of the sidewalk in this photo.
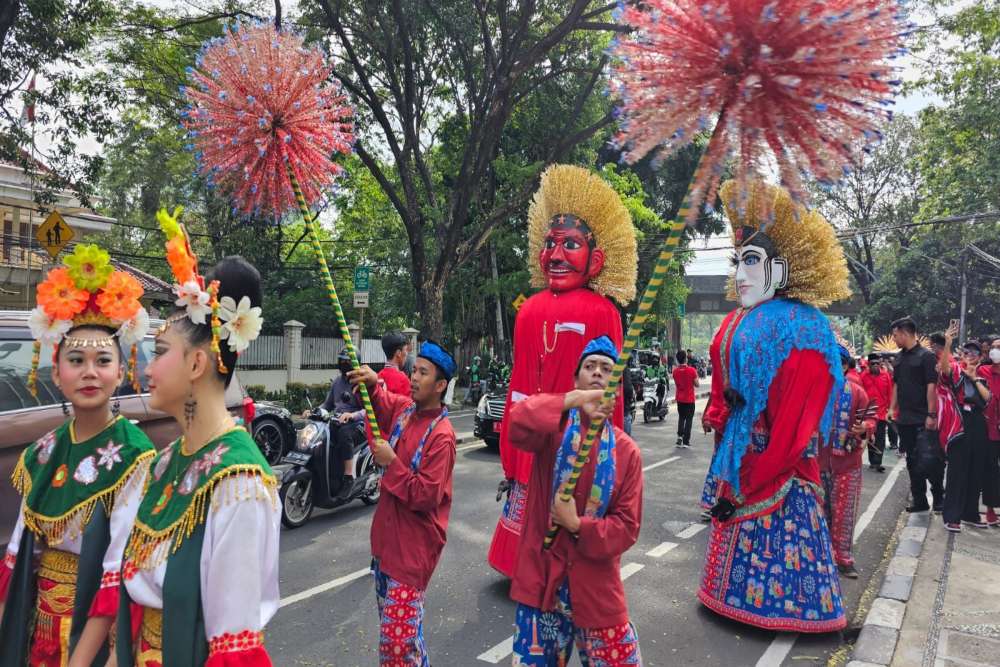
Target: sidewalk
(939, 603)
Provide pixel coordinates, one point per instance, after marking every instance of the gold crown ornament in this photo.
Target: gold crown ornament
(579, 192)
(237, 323)
(87, 290)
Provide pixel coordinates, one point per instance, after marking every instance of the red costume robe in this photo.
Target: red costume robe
(410, 526)
(551, 330)
(591, 560)
(840, 471)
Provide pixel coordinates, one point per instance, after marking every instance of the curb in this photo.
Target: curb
(876, 644)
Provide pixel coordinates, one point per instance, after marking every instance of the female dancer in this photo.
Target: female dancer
(201, 566)
(81, 483)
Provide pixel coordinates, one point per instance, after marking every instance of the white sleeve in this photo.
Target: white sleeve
(10, 556)
(239, 567)
(122, 518)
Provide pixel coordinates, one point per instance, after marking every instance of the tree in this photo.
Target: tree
(47, 64)
(421, 70)
(881, 191)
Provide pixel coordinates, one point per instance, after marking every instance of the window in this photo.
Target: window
(15, 364)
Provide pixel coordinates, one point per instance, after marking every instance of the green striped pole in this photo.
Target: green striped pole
(313, 228)
(631, 340)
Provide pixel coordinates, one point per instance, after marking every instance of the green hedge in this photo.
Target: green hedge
(293, 396)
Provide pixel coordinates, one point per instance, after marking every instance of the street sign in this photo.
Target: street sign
(519, 301)
(361, 279)
(361, 299)
(54, 234)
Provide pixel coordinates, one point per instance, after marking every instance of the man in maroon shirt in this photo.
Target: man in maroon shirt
(685, 380)
(877, 383)
(411, 521)
(574, 590)
(396, 348)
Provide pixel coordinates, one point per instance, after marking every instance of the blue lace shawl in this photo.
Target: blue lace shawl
(764, 339)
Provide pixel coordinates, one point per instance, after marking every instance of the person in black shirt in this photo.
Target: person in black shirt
(915, 395)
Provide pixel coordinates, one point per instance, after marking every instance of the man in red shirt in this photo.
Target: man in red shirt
(573, 591)
(877, 383)
(396, 348)
(685, 380)
(410, 526)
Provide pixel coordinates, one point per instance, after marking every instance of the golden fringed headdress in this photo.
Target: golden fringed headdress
(817, 268)
(577, 191)
(886, 345)
(87, 289)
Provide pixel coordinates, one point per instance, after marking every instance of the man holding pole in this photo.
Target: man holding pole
(573, 591)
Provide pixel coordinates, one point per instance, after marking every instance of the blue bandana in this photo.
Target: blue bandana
(437, 355)
(601, 345)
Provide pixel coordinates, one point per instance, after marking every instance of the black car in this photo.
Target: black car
(489, 415)
(272, 430)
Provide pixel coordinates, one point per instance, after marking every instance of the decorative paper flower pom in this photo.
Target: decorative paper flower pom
(45, 329)
(192, 297)
(89, 267)
(796, 85)
(119, 299)
(262, 102)
(242, 322)
(135, 329)
(59, 296)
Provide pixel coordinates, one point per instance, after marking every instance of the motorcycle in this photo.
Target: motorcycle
(309, 482)
(654, 402)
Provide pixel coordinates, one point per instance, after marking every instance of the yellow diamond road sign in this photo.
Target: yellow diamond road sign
(519, 301)
(54, 234)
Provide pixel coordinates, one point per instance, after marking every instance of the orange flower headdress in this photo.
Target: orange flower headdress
(238, 324)
(86, 289)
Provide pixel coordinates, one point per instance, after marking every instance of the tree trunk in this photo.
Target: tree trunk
(430, 299)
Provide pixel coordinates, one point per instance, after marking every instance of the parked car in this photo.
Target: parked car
(25, 418)
(489, 415)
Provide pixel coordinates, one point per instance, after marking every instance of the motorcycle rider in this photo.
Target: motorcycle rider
(347, 428)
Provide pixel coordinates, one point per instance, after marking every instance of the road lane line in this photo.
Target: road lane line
(498, 652)
(661, 463)
(782, 644)
(879, 498)
(691, 531)
(479, 444)
(322, 588)
(661, 550)
(506, 647)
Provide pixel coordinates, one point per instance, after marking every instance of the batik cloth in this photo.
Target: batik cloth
(401, 620)
(776, 570)
(546, 639)
(842, 496)
(57, 575)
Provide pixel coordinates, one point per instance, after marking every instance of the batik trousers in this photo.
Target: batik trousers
(401, 616)
(545, 639)
(842, 491)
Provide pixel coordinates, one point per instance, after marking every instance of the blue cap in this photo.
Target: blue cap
(845, 354)
(601, 345)
(438, 356)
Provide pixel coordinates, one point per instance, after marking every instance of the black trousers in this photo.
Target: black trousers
(344, 439)
(918, 482)
(877, 446)
(893, 435)
(967, 461)
(685, 418)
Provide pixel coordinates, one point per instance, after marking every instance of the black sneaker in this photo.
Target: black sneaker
(917, 508)
(344, 492)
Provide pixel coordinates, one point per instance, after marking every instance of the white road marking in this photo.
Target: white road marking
(661, 550)
(782, 644)
(498, 652)
(479, 444)
(506, 647)
(691, 531)
(322, 588)
(661, 463)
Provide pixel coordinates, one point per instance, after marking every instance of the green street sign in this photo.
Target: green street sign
(361, 278)
(681, 309)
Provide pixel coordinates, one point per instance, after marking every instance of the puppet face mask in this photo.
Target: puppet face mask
(569, 258)
(759, 272)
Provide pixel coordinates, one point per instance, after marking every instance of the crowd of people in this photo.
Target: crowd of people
(146, 542)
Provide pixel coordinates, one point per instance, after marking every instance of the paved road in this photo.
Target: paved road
(328, 615)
